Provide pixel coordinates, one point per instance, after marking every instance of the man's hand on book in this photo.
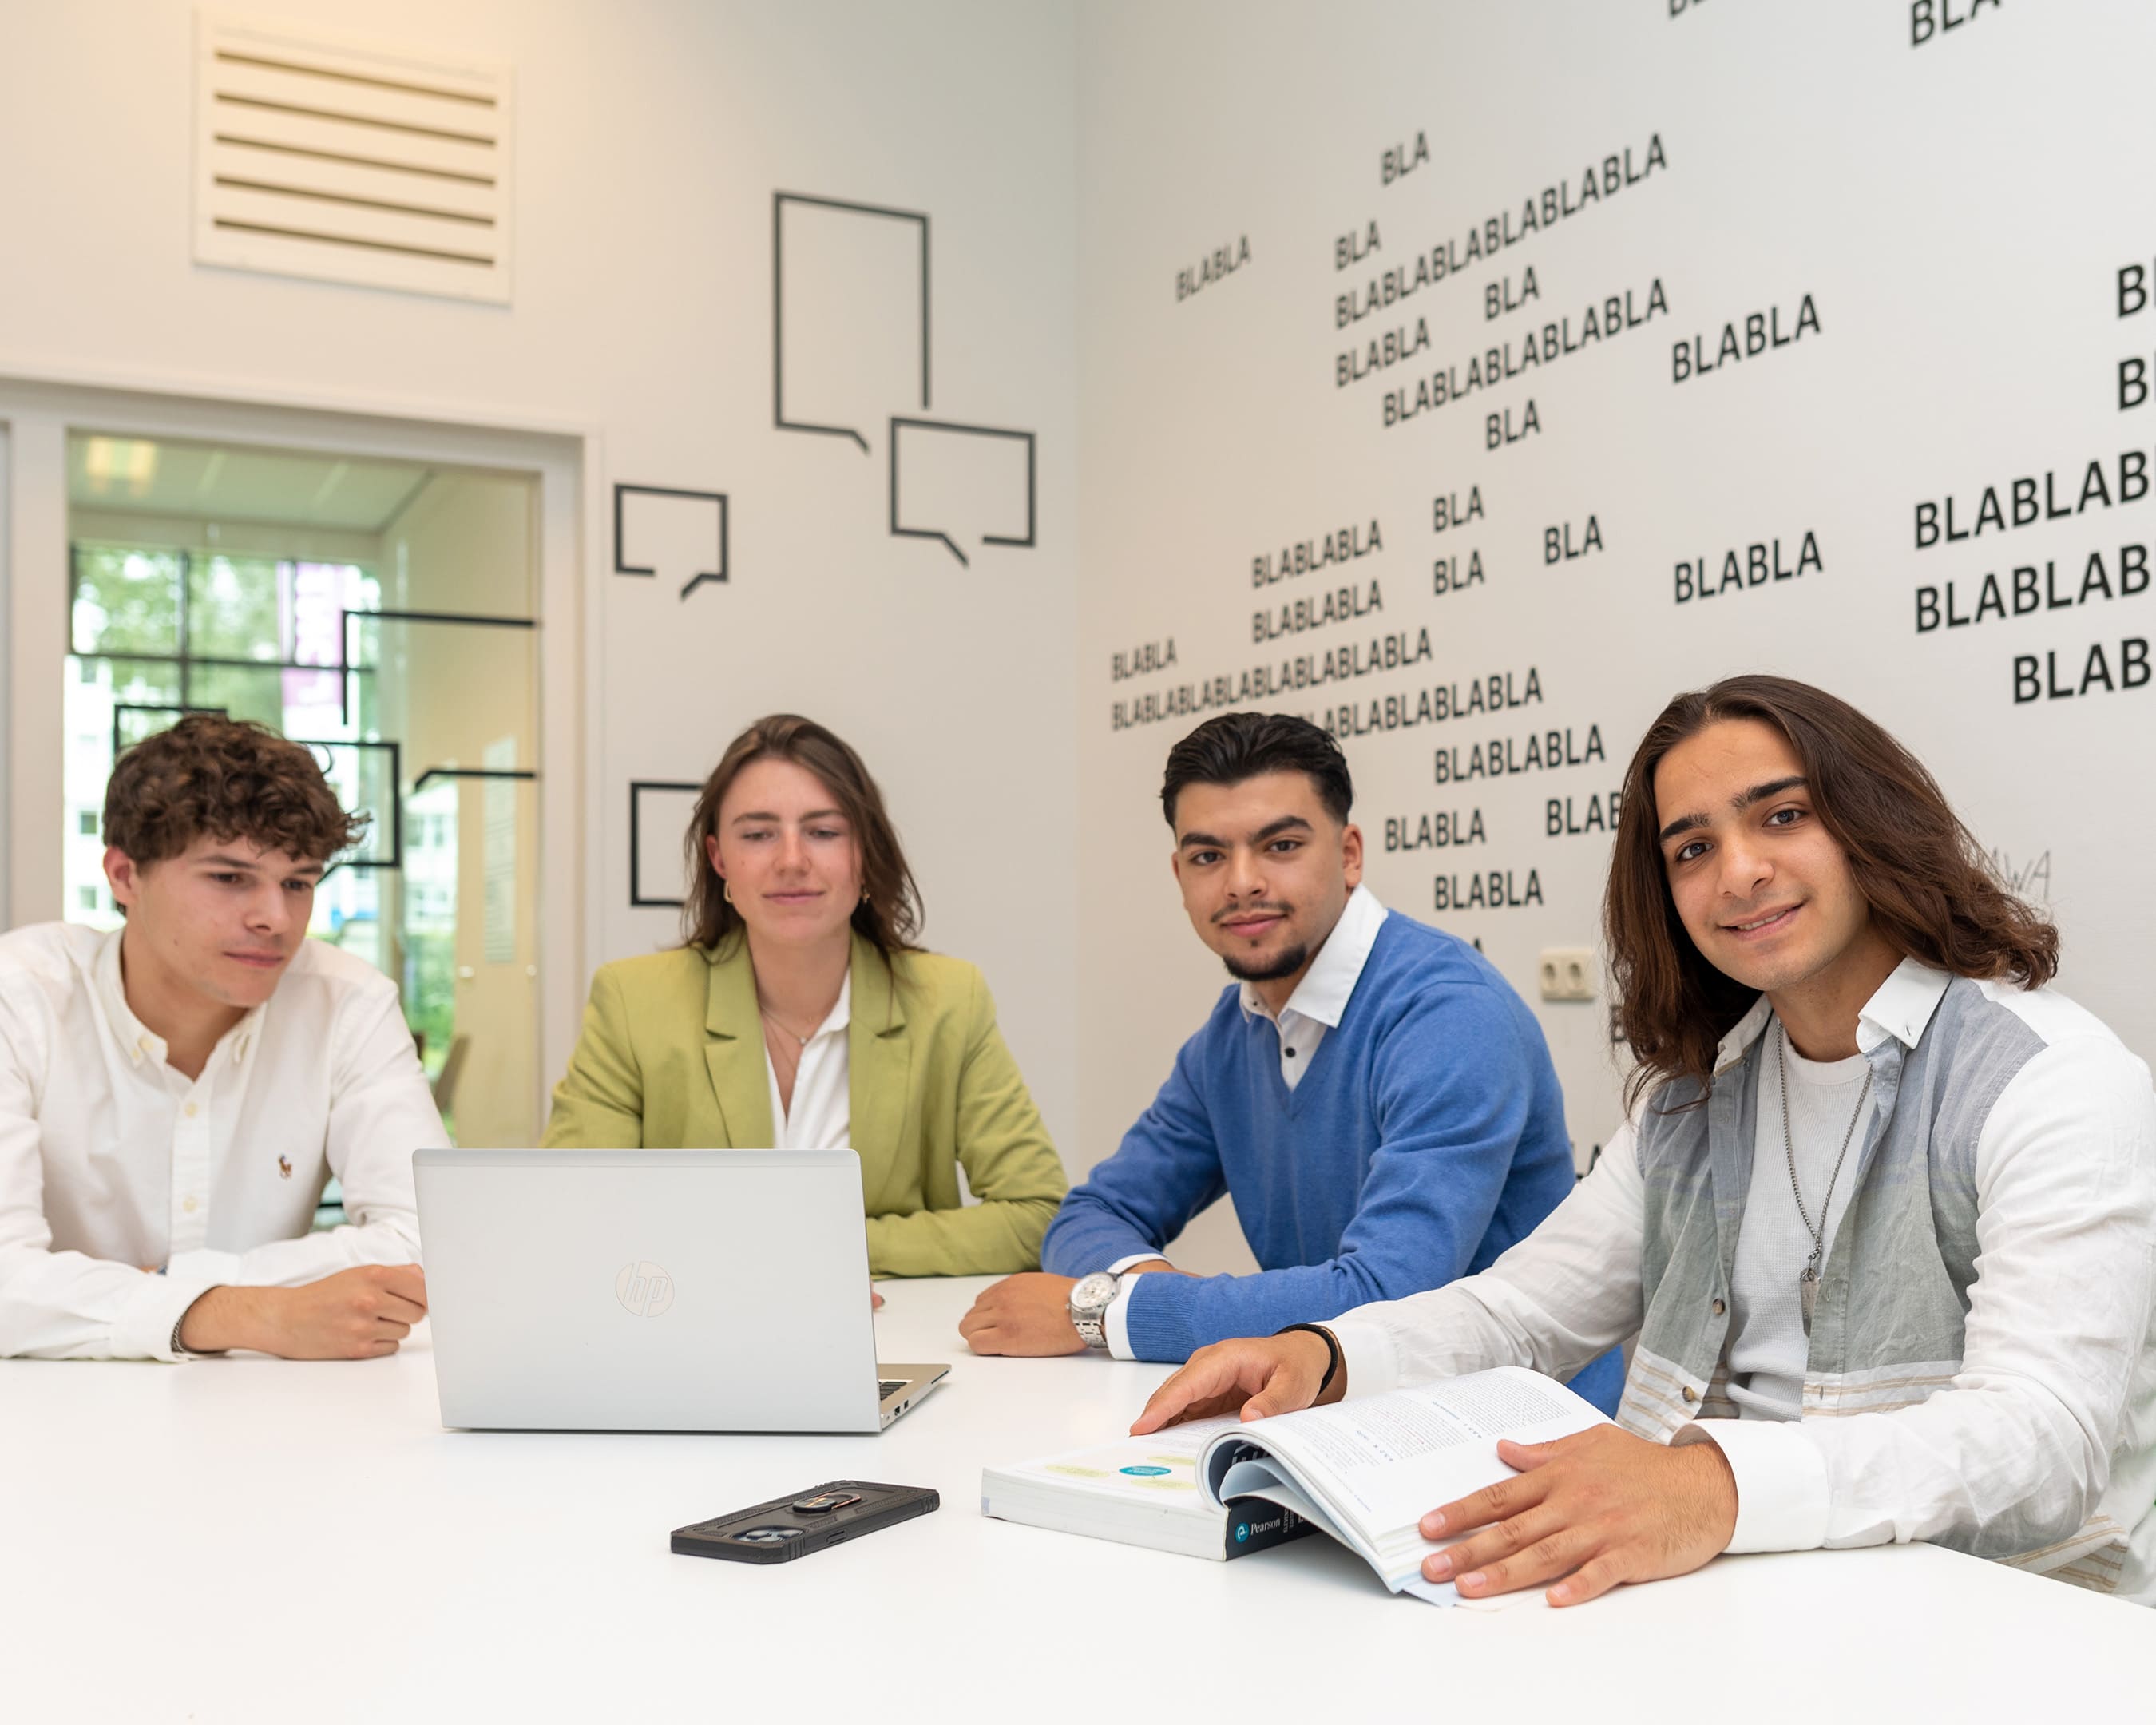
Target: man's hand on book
(1026, 1314)
(1255, 1376)
(1599, 1507)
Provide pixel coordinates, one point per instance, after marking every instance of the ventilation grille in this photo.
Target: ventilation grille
(375, 166)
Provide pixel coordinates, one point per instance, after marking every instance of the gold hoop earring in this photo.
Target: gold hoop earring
(726, 891)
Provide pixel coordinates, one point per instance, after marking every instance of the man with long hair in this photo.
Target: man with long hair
(1879, 1227)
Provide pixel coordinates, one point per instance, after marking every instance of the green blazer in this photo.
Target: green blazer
(672, 1056)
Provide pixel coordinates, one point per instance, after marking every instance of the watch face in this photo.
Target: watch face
(1094, 1293)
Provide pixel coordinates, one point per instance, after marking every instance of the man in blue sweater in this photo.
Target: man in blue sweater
(1376, 1098)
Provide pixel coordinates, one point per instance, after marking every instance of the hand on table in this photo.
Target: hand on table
(1599, 1507)
(361, 1314)
(1027, 1314)
(874, 1298)
(1256, 1375)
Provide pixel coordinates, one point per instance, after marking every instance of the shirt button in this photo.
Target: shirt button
(189, 1207)
(1289, 1052)
(1690, 1393)
(190, 1111)
(1719, 1309)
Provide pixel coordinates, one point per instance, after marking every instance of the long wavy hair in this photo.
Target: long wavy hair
(1931, 889)
(889, 916)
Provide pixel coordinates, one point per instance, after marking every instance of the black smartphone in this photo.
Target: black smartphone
(793, 1527)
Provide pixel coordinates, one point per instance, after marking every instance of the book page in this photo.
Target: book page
(1380, 1463)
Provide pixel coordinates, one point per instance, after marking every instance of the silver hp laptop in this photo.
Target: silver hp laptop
(654, 1291)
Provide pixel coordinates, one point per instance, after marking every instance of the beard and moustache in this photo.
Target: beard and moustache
(1286, 964)
(1268, 970)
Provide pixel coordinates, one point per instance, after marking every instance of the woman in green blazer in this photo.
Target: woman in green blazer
(799, 1015)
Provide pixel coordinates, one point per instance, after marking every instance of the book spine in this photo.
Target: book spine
(1255, 1524)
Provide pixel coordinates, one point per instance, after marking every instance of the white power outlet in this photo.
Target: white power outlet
(1567, 973)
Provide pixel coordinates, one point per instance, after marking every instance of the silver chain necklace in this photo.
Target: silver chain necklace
(1807, 1284)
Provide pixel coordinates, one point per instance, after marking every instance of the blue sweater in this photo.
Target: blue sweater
(1426, 1137)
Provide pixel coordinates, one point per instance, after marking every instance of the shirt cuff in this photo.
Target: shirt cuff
(1781, 1481)
(1367, 1355)
(1116, 1321)
(1123, 1264)
(144, 1330)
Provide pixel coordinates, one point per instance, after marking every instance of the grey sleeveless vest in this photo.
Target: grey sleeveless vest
(1887, 1331)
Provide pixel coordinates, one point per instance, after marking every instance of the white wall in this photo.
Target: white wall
(652, 136)
(1958, 210)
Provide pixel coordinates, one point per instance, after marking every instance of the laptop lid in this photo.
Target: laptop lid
(648, 1289)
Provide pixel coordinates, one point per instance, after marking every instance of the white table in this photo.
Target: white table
(252, 1539)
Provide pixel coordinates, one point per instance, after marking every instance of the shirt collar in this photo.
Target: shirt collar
(141, 1042)
(1900, 1009)
(841, 1013)
(1323, 992)
(112, 994)
(1903, 1005)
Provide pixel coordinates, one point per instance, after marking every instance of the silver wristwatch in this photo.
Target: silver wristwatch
(1090, 1301)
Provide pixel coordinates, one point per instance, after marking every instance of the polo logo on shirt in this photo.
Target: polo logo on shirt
(644, 1289)
(285, 1168)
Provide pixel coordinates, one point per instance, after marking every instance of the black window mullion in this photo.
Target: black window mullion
(186, 577)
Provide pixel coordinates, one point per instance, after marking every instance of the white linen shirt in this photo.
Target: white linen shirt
(1315, 1007)
(2058, 1373)
(111, 1162)
(822, 1117)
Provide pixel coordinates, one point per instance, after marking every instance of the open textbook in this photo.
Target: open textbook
(1138, 1491)
(1367, 1471)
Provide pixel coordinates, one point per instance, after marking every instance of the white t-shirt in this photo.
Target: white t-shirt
(1768, 1347)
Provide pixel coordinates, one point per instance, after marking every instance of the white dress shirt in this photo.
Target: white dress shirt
(1315, 1007)
(111, 1162)
(2056, 1393)
(821, 1117)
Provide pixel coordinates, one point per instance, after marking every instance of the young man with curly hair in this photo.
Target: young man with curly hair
(1879, 1229)
(174, 1096)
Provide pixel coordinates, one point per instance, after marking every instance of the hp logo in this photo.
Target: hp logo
(644, 1289)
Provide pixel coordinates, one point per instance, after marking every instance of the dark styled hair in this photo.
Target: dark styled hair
(227, 778)
(889, 916)
(1931, 889)
(1239, 746)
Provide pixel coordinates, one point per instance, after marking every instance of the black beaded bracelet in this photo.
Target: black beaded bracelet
(1331, 1352)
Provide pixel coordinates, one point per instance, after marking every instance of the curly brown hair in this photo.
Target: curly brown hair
(889, 914)
(1930, 887)
(228, 779)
